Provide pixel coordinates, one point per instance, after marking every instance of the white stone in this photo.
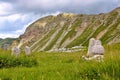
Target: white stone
(98, 48)
(15, 51)
(91, 44)
(27, 50)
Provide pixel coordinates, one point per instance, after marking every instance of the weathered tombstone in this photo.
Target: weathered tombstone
(15, 51)
(91, 44)
(98, 49)
(27, 50)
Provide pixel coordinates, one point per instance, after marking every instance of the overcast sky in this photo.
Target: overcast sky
(16, 15)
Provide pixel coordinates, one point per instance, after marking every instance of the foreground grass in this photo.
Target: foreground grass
(67, 66)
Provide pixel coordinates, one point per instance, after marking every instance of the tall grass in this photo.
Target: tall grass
(8, 61)
(68, 66)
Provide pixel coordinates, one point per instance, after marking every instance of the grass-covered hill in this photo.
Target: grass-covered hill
(5, 43)
(69, 30)
(60, 66)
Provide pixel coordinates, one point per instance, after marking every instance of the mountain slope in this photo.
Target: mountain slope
(5, 43)
(69, 30)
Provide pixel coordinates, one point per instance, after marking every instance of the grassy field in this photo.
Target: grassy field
(65, 66)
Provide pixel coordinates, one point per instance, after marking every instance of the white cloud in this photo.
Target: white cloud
(35, 18)
(5, 8)
(19, 18)
(16, 15)
(15, 20)
(8, 35)
(11, 18)
(14, 34)
(21, 31)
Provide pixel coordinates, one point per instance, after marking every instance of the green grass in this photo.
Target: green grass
(8, 61)
(67, 66)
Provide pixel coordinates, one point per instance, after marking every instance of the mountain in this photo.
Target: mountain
(1, 39)
(5, 43)
(69, 30)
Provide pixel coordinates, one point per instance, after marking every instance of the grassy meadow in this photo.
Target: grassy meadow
(60, 66)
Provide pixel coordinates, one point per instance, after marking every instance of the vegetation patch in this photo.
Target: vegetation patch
(7, 61)
(67, 66)
(111, 18)
(55, 39)
(72, 32)
(6, 41)
(103, 26)
(109, 34)
(44, 40)
(81, 38)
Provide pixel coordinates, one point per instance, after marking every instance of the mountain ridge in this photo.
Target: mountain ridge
(6, 43)
(69, 30)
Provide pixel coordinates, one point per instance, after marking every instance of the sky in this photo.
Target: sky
(17, 15)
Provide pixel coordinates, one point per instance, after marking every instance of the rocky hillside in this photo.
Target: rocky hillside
(69, 30)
